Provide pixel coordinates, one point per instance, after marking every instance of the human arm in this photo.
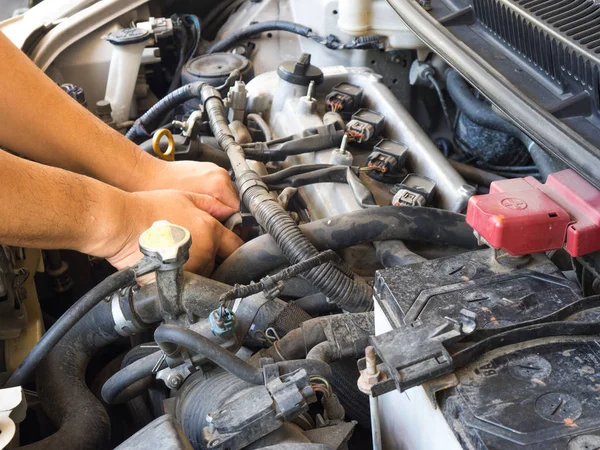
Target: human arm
(41, 122)
(47, 207)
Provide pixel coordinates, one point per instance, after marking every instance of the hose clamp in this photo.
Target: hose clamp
(207, 92)
(123, 326)
(249, 179)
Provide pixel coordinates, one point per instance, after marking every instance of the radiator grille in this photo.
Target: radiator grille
(561, 38)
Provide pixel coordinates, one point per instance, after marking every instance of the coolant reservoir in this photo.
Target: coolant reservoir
(128, 47)
(375, 18)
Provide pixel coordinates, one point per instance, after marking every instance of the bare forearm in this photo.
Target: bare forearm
(46, 207)
(41, 122)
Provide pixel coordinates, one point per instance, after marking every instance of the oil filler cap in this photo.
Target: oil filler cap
(523, 216)
(166, 241)
(300, 72)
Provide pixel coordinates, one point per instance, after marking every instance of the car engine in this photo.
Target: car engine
(419, 182)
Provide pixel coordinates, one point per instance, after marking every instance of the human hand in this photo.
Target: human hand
(190, 176)
(198, 213)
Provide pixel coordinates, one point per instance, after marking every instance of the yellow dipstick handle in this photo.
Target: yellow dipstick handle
(168, 155)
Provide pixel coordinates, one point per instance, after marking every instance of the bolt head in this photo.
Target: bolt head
(174, 380)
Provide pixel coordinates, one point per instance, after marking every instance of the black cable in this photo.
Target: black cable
(509, 168)
(440, 95)
(182, 34)
(331, 42)
(292, 271)
(155, 114)
(79, 309)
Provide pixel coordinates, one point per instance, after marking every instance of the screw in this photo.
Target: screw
(174, 380)
(344, 143)
(310, 91)
(371, 360)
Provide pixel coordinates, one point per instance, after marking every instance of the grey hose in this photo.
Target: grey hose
(483, 115)
(117, 388)
(262, 124)
(262, 255)
(341, 286)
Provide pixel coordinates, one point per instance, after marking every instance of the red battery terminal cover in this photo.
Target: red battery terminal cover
(522, 215)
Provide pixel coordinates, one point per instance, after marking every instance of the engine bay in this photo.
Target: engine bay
(419, 267)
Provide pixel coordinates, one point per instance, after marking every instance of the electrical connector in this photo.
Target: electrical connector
(415, 190)
(223, 322)
(388, 156)
(365, 125)
(344, 98)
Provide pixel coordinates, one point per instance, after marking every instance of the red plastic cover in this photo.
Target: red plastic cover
(523, 216)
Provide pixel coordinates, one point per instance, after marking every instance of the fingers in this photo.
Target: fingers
(229, 243)
(214, 181)
(229, 195)
(221, 187)
(212, 206)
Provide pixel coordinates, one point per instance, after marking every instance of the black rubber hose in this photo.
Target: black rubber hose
(349, 292)
(257, 28)
(333, 174)
(281, 175)
(477, 111)
(62, 326)
(262, 255)
(321, 352)
(483, 115)
(80, 418)
(151, 118)
(117, 388)
(308, 144)
(170, 337)
(394, 253)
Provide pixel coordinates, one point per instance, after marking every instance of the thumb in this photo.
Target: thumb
(211, 205)
(228, 243)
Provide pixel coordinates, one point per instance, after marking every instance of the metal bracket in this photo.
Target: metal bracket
(417, 353)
